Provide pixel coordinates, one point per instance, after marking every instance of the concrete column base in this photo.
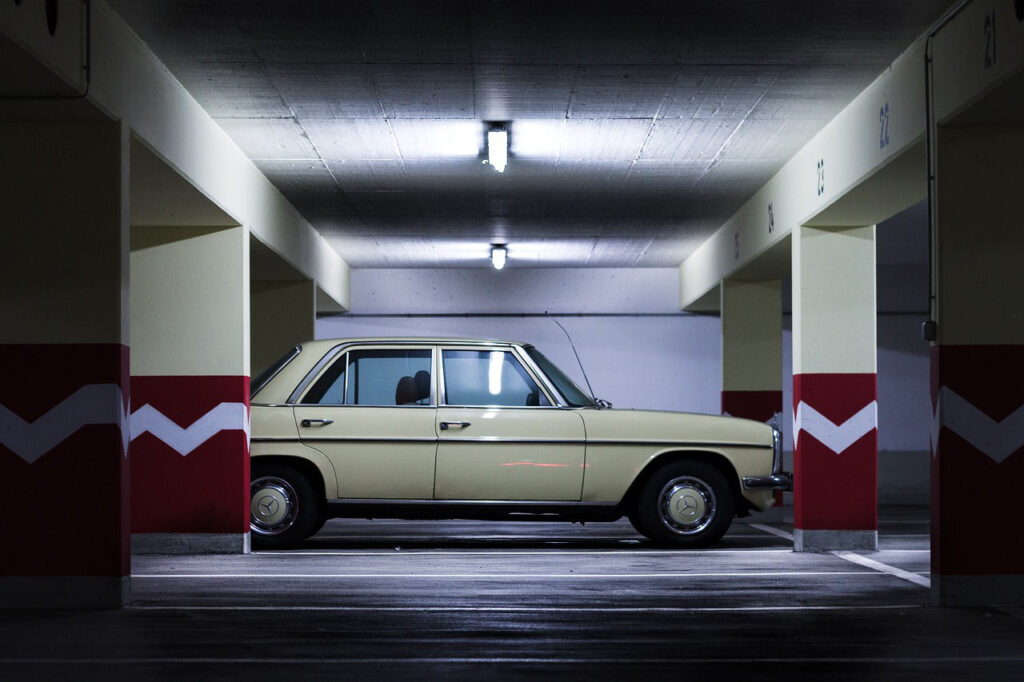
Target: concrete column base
(834, 540)
(65, 592)
(190, 543)
(978, 590)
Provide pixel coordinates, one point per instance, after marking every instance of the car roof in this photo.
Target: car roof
(323, 344)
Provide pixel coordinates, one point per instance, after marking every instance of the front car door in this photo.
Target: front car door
(500, 434)
(370, 410)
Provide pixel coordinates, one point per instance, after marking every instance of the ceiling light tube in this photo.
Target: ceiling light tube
(499, 252)
(497, 149)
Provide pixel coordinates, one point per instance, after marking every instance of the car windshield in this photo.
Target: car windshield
(572, 393)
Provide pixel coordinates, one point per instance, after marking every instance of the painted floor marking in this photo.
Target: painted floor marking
(499, 576)
(537, 609)
(547, 553)
(853, 557)
(772, 531)
(552, 539)
(507, 660)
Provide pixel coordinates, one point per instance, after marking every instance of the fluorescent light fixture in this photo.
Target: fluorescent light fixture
(428, 140)
(499, 252)
(497, 149)
(538, 138)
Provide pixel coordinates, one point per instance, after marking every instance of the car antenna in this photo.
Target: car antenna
(573, 346)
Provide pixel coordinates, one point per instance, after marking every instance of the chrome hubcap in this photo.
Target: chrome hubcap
(273, 505)
(686, 505)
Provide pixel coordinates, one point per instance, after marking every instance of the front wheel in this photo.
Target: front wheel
(684, 504)
(283, 507)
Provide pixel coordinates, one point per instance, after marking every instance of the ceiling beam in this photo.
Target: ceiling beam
(868, 163)
(129, 83)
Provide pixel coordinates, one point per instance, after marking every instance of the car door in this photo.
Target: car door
(500, 436)
(371, 412)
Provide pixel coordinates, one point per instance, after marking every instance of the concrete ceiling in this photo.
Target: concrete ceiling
(637, 128)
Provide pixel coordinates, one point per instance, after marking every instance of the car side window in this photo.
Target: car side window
(487, 378)
(374, 377)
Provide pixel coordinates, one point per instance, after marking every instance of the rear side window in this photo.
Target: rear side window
(375, 377)
(264, 377)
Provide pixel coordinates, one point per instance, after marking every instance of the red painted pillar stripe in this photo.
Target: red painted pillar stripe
(835, 431)
(190, 454)
(757, 405)
(62, 412)
(977, 458)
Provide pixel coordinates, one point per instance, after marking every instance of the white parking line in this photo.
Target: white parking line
(552, 539)
(548, 553)
(536, 609)
(772, 531)
(861, 560)
(884, 568)
(511, 660)
(497, 576)
(471, 537)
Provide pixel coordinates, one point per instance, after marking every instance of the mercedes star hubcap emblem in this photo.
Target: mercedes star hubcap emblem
(686, 505)
(268, 506)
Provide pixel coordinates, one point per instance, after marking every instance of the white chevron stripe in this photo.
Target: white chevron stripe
(837, 437)
(102, 404)
(224, 417)
(91, 404)
(998, 440)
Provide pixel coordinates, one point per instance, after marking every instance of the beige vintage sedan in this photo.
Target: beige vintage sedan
(475, 429)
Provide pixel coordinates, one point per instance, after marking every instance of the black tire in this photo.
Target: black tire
(683, 504)
(284, 507)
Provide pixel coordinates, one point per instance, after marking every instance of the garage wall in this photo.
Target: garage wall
(638, 350)
(610, 311)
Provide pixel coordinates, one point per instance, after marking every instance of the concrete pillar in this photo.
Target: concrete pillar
(283, 315)
(190, 389)
(64, 365)
(835, 496)
(752, 352)
(752, 349)
(977, 376)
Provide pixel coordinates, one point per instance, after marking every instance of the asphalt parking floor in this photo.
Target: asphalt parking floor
(462, 599)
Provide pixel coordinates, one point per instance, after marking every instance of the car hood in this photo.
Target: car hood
(673, 427)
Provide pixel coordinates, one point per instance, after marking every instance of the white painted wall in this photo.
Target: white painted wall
(638, 351)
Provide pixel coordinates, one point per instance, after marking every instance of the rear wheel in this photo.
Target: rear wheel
(284, 508)
(684, 504)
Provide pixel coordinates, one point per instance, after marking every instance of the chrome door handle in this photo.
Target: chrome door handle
(447, 425)
(319, 422)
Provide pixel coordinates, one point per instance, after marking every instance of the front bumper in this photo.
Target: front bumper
(778, 479)
(782, 480)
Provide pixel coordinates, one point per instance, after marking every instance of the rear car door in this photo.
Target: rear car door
(371, 412)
